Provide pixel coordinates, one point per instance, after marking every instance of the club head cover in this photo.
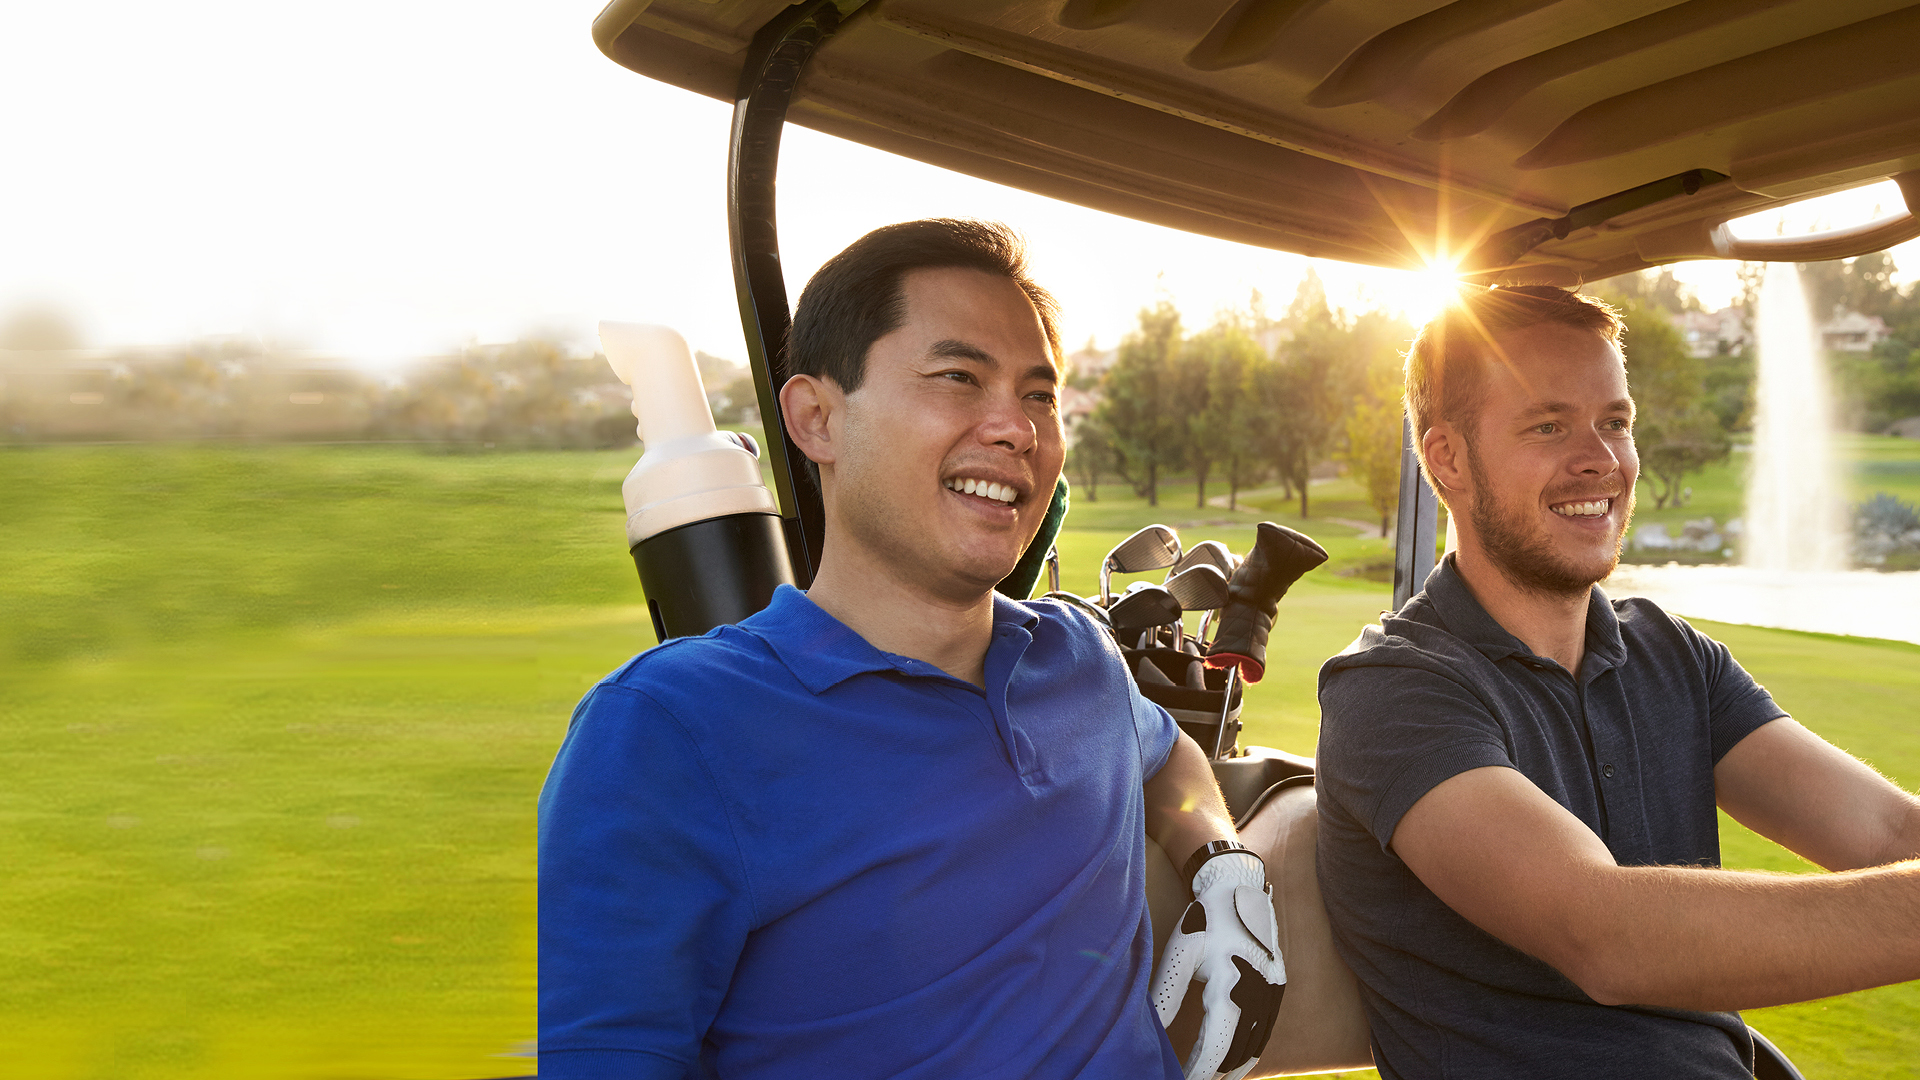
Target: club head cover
(1279, 556)
(1229, 941)
(1026, 573)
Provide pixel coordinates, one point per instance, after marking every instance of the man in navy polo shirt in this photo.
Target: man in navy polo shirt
(1519, 849)
(894, 826)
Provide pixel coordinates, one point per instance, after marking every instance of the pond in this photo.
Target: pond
(1861, 603)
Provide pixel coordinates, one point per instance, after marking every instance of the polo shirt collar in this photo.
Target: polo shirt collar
(823, 652)
(1463, 617)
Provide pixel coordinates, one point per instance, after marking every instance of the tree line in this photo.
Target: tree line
(1253, 398)
(1250, 398)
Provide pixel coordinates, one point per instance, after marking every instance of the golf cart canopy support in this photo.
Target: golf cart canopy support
(1521, 139)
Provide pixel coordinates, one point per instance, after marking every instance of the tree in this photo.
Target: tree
(1303, 384)
(1672, 445)
(1674, 430)
(1201, 443)
(1090, 455)
(1236, 366)
(1139, 415)
(1882, 385)
(38, 328)
(1652, 288)
(1374, 440)
(1219, 369)
(1864, 284)
(527, 393)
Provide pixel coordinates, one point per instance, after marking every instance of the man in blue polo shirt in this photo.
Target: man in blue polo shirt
(1519, 848)
(894, 826)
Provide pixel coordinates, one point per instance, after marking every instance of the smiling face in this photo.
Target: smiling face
(945, 458)
(1550, 463)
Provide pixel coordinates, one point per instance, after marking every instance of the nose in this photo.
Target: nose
(1594, 455)
(1007, 425)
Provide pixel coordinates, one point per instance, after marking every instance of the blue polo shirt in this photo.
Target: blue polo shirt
(1627, 744)
(776, 851)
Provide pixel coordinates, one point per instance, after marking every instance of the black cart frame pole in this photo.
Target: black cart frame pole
(779, 53)
(1416, 523)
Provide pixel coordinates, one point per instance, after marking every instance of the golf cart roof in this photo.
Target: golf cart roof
(1528, 139)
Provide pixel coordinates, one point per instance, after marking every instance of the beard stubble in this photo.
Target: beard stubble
(1524, 554)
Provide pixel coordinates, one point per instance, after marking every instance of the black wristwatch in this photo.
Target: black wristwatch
(1214, 848)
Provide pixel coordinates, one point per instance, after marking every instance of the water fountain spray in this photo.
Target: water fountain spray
(1796, 513)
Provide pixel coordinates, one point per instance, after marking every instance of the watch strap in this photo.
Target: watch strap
(1214, 849)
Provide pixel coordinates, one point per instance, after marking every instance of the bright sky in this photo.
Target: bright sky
(386, 179)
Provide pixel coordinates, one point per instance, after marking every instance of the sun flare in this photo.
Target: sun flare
(1430, 290)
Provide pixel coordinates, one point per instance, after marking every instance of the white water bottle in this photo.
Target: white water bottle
(704, 531)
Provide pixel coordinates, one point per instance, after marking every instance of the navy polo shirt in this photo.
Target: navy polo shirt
(776, 851)
(1628, 745)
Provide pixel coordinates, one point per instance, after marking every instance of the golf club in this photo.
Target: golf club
(1155, 547)
(1207, 553)
(1200, 588)
(1147, 608)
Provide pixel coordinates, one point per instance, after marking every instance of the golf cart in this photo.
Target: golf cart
(1509, 141)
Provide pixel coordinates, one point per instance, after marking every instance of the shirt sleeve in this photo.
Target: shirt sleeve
(644, 905)
(1389, 735)
(1737, 706)
(1156, 731)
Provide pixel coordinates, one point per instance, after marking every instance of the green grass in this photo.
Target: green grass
(1859, 693)
(1882, 463)
(272, 722)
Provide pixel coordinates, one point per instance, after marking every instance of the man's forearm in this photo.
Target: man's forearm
(1518, 865)
(1725, 940)
(1184, 807)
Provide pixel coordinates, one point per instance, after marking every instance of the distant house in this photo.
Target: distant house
(1091, 363)
(1088, 367)
(1076, 405)
(1712, 333)
(1716, 333)
(1908, 428)
(1850, 331)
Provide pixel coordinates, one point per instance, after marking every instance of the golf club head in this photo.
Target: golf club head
(1207, 553)
(1143, 609)
(1155, 547)
(1199, 588)
(1280, 555)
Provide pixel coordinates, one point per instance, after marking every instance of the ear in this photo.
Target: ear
(810, 405)
(1445, 450)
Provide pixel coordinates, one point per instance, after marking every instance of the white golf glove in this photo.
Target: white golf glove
(1228, 940)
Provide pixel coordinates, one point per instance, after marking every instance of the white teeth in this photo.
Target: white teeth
(1000, 493)
(1590, 508)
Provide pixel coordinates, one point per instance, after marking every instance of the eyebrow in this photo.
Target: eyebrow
(1554, 408)
(955, 349)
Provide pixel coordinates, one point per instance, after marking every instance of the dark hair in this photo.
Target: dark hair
(1447, 364)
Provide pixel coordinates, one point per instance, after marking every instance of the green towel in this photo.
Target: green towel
(1026, 574)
